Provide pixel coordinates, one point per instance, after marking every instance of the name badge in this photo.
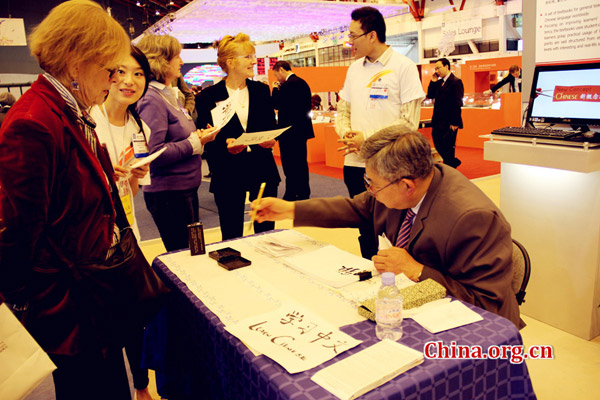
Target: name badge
(378, 91)
(186, 113)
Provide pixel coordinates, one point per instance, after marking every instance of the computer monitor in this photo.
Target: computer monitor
(566, 94)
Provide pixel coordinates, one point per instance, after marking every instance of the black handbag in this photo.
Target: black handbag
(122, 294)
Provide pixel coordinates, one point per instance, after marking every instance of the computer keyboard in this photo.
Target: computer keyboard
(545, 133)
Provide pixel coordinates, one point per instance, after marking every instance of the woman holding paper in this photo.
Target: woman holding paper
(172, 197)
(117, 121)
(239, 169)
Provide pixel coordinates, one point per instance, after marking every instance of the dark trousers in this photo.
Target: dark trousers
(91, 376)
(231, 204)
(173, 211)
(353, 178)
(444, 140)
(134, 348)
(295, 167)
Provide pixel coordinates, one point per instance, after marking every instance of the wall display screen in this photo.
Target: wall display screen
(567, 94)
(203, 73)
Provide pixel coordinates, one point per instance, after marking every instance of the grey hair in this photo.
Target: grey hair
(396, 152)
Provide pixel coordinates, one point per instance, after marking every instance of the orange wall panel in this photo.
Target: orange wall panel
(320, 79)
(485, 65)
(333, 158)
(511, 106)
(316, 145)
(477, 121)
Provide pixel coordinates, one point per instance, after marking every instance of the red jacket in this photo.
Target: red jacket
(54, 199)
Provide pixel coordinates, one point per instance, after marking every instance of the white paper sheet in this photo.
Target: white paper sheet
(367, 369)
(258, 137)
(293, 336)
(222, 113)
(330, 265)
(384, 242)
(260, 287)
(446, 316)
(147, 160)
(411, 312)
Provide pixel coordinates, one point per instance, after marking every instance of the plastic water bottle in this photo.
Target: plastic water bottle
(388, 309)
(140, 147)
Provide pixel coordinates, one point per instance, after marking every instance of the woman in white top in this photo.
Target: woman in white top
(117, 121)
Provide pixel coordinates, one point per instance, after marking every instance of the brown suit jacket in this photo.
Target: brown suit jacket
(460, 236)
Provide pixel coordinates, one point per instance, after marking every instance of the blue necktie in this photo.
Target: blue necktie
(404, 233)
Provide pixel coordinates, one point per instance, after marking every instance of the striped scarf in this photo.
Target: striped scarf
(88, 126)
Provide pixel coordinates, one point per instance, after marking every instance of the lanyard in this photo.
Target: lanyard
(120, 156)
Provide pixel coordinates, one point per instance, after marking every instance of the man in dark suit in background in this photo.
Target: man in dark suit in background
(292, 97)
(447, 91)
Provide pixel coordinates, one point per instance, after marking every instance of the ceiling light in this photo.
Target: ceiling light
(266, 20)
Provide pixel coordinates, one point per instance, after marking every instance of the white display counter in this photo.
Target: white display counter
(551, 197)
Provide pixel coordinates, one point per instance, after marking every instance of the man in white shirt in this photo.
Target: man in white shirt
(382, 88)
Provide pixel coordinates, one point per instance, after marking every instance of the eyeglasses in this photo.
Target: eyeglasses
(248, 57)
(374, 191)
(353, 37)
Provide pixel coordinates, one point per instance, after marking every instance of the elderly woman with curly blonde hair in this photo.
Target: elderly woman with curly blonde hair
(56, 209)
(172, 197)
(239, 169)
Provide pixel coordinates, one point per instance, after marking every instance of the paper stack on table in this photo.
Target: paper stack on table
(444, 316)
(368, 369)
(273, 247)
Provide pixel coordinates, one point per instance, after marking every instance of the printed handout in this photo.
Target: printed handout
(258, 137)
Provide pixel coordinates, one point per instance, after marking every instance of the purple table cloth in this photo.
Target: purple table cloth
(195, 358)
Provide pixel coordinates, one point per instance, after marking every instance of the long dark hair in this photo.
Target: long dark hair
(143, 61)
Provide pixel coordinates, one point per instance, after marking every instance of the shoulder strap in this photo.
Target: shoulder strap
(121, 218)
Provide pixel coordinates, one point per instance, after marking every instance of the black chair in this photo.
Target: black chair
(522, 270)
